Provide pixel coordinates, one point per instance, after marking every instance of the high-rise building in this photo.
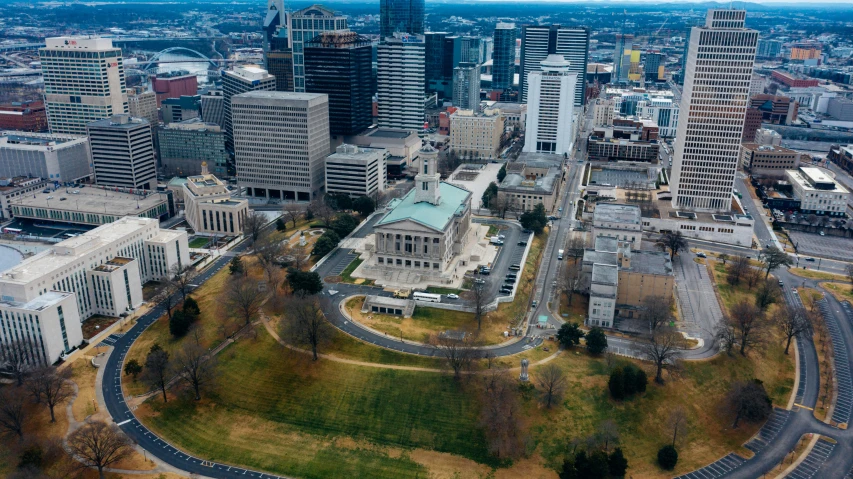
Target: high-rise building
(241, 80)
(185, 145)
(466, 86)
(280, 142)
(403, 16)
(537, 42)
(275, 19)
(340, 64)
(713, 109)
(475, 134)
(83, 82)
(213, 108)
(123, 152)
(279, 60)
(550, 104)
(622, 57)
(23, 116)
(174, 85)
(400, 82)
(684, 58)
(503, 64)
(653, 66)
(356, 171)
(434, 61)
(180, 109)
(769, 49)
(143, 104)
(305, 25)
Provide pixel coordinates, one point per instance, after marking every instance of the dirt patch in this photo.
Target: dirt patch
(96, 324)
(530, 468)
(333, 279)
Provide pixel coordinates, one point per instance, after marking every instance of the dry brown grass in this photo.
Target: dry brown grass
(84, 374)
(812, 274)
(841, 291)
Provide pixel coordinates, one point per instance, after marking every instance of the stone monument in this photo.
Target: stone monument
(524, 364)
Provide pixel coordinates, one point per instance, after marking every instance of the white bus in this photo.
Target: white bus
(428, 297)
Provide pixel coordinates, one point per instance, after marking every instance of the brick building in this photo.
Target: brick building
(23, 116)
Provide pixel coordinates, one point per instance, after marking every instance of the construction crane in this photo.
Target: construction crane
(661, 27)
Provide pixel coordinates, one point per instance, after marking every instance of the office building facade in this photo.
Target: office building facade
(476, 135)
(241, 80)
(23, 116)
(143, 104)
(184, 146)
(213, 108)
(123, 152)
(713, 110)
(62, 158)
(83, 82)
(340, 65)
(400, 82)
(537, 42)
(210, 209)
(622, 57)
(550, 126)
(174, 85)
(180, 109)
(466, 86)
(400, 16)
(356, 171)
(769, 49)
(280, 142)
(503, 58)
(653, 66)
(305, 25)
(434, 61)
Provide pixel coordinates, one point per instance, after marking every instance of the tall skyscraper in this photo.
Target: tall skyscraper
(241, 80)
(653, 66)
(503, 64)
(280, 142)
(434, 61)
(123, 152)
(684, 58)
(213, 107)
(83, 82)
(275, 18)
(400, 81)
(466, 86)
(622, 57)
(769, 49)
(340, 64)
(719, 67)
(306, 24)
(403, 16)
(279, 60)
(537, 42)
(550, 103)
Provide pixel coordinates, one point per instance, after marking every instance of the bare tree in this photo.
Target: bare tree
(181, 278)
(13, 413)
(737, 269)
(748, 323)
(677, 422)
(552, 381)
(572, 278)
(726, 337)
(793, 320)
(753, 277)
(748, 400)
(607, 434)
(768, 293)
(772, 258)
(53, 385)
(195, 367)
(457, 353)
(157, 370)
(292, 212)
(305, 323)
(723, 257)
(501, 416)
(849, 271)
(664, 350)
(575, 248)
(268, 252)
(244, 299)
(297, 254)
(657, 311)
(18, 358)
(674, 242)
(170, 300)
(99, 445)
(253, 225)
(322, 211)
(480, 298)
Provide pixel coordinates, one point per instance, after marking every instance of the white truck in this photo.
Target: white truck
(560, 254)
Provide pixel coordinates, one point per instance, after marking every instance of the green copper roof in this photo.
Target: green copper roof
(453, 200)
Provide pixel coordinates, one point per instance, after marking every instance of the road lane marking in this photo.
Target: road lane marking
(124, 422)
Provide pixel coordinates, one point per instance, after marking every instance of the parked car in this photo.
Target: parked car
(822, 233)
(701, 255)
(522, 243)
(810, 260)
(515, 267)
(480, 281)
(452, 296)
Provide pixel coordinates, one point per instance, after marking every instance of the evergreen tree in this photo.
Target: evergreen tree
(236, 266)
(628, 380)
(668, 457)
(502, 173)
(616, 384)
(618, 464)
(596, 341)
(179, 324)
(280, 225)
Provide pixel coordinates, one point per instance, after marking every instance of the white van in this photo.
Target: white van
(560, 254)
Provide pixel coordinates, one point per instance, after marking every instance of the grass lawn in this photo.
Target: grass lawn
(199, 242)
(346, 274)
(577, 311)
(426, 322)
(282, 413)
(287, 415)
(841, 291)
(812, 274)
(439, 290)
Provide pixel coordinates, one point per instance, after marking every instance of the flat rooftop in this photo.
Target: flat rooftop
(91, 200)
(53, 259)
(650, 262)
(40, 303)
(605, 274)
(280, 95)
(617, 213)
(389, 133)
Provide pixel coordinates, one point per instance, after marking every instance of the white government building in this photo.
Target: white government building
(210, 210)
(44, 299)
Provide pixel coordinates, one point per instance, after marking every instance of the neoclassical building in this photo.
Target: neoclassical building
(427, 230)
(210, 210)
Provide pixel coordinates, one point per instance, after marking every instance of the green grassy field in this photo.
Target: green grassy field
(199, 242)
(439, 290)
(264, 393)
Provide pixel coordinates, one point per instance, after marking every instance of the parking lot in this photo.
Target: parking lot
(844, 401)
(812, 463)
(508, 254)
(717, 469)
(833, 247)
(769, 430)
